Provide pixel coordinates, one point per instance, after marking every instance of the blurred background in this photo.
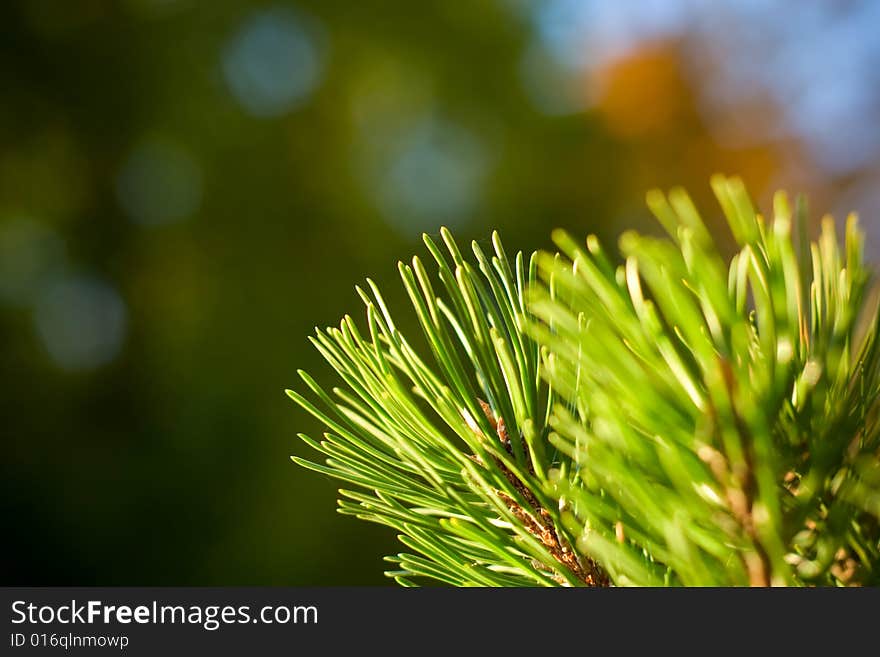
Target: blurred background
(187, 188)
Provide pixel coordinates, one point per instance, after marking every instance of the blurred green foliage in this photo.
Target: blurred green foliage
(186, 189)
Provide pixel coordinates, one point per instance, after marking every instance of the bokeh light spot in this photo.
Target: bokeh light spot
(160, 183)
(30, 253)
(274, 62)
(81, 321)
(553, 90)
(738, 53)
(434, 176)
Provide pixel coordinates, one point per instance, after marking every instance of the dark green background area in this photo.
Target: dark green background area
(170, 463)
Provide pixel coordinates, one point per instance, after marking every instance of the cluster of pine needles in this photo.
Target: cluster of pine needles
(672, 418)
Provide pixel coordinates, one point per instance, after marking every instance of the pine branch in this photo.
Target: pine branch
(453, 449)
(674, 420)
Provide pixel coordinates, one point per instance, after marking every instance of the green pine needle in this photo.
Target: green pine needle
(674, 420)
